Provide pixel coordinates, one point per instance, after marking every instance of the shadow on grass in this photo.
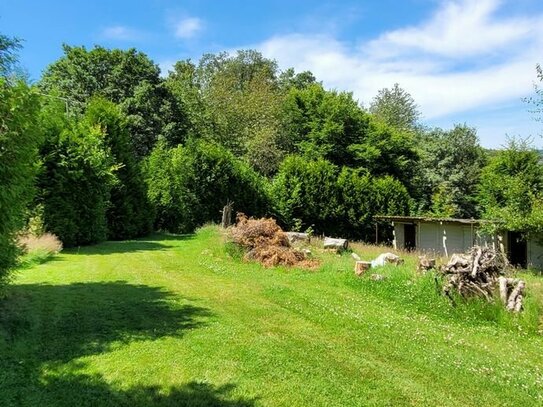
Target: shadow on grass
(153, 242)
(42, 326)
(86, 390)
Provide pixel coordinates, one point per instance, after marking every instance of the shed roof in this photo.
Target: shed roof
(430, 219)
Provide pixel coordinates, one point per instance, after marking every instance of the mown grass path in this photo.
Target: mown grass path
(175, 321)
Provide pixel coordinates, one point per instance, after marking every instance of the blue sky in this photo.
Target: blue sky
(466, 61)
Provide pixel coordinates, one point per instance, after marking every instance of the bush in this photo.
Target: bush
(129, 213)
(77, 176)
(19, 142)
(189, 185)
(314, 194)
(305, 190)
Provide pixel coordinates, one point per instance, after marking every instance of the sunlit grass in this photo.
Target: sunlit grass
(182, 320)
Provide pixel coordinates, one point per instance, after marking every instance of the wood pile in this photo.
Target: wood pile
(479, 273)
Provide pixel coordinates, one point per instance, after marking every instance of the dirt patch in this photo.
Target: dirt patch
(265, 242)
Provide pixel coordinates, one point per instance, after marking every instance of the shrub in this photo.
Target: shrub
(46, 242)
(77, 176)
(19, 142)
(129, 213)
(311, 193)
(38, 248)
(304, 194)
(189, 185)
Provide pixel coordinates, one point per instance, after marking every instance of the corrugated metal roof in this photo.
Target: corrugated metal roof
(429, 219)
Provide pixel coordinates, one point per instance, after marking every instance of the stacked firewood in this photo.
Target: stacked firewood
(480, 272)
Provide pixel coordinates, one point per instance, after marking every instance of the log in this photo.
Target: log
(355, 256)
(294, 237)
(503, 289)
(360, 267)
(476, 262)
(512, 304)
(338, 244)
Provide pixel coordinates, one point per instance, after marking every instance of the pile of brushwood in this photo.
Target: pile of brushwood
(266, 242)
(480, 272)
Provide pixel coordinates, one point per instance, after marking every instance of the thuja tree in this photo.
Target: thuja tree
(76, 179)
(19, 141)
(129, 213)
(189, 185)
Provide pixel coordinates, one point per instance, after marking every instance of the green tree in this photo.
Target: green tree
(189, 185)
(448, 172)
(242, 104)
(8, 54)
(76, 178)
(331, 125)
(129, 214)
(19, 142)
(128, 78)
(396, 107)
(304, 190)
(511, 189)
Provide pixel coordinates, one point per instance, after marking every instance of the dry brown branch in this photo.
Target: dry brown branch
(266, 242)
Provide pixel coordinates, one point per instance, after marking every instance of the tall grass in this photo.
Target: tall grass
(38, 249)
(406, 288)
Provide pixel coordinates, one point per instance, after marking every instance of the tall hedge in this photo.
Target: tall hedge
(315, 193)
(129, 213)
(304, 193)
(189, 185)
(76, 179)
(19, 142)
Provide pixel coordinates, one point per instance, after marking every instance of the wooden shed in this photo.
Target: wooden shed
(445, 236)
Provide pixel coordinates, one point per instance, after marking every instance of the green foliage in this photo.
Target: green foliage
(511, 189)
(76, 179)
(189, 185)
(8, 55)
(314, 193)
(19, 142)
(396, 108)
(330, 125)
(244, 103)
(128, 78)
(322, 124)
(306, 190)
(448, 172)
(362, 197)
(129, 213)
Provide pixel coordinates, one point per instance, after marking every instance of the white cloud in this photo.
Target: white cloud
(120, 32)
(188, 27)
(463, 58)
(458, 28)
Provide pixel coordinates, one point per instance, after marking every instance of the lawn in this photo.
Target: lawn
(181, 321)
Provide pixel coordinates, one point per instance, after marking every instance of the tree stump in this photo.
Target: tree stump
(227, 215)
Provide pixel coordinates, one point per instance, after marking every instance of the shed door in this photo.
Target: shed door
(410, 236)
(517, 249)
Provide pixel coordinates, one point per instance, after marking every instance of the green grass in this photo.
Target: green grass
(180, 321)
